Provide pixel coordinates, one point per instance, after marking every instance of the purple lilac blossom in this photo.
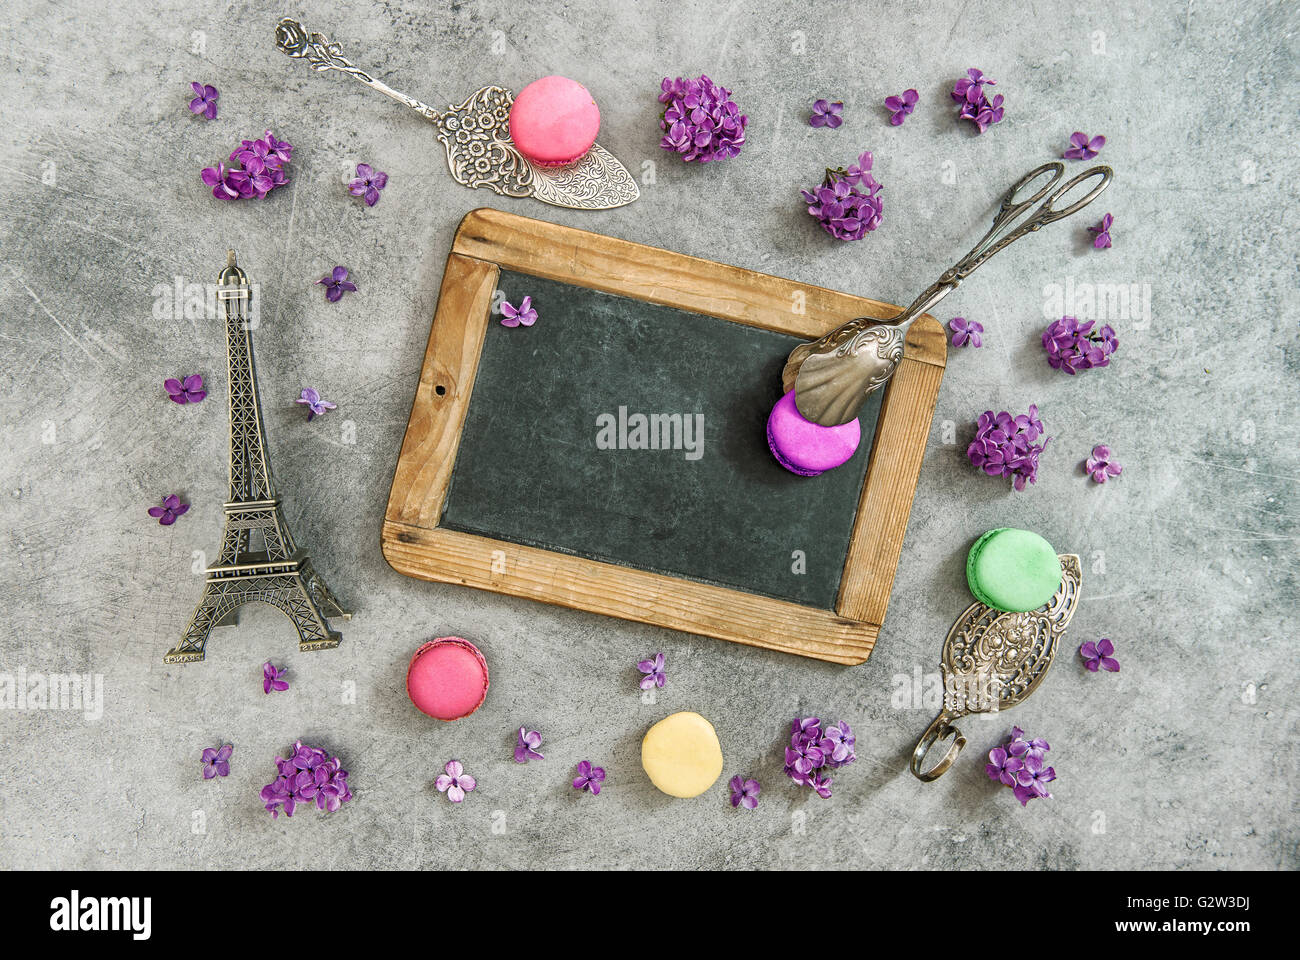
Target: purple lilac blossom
(1004, 446)
(216, 763)
(744, 793)
(1072, 346)
(901, 106)
(700, 120)
(1097, 654)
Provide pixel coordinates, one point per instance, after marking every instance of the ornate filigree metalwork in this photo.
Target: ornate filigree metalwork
(476, 135)
(993, 660)
(259, 559)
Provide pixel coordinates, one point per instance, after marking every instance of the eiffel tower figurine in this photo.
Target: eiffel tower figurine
(259, 559)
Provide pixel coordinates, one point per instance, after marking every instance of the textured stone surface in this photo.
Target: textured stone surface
(1187, 758)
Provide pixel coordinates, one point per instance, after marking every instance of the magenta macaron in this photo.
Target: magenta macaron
(808, 448)
(447, 678)
(554, 121)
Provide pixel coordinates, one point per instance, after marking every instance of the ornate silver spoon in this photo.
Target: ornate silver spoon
(476, 134)
(993, 660)
(831, 377)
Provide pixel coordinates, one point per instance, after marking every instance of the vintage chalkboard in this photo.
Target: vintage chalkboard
(613, 456)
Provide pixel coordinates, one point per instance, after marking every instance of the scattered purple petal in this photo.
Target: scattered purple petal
(528, 747)
(1081, 148)
(368, 183)
(336, 282)
(826, 114)
(455, 783)
(216, 763)
(700, 120)
(205, 99)
(1100, 466)
(901, 107)
(1102, 230)
(189, 390)
(1072, 346)
(271, 678)
(525, 314)
(744, 793)
(316, 406)
(589, 778)
(1097, 654)
(171, 509)
(966, 332)
(654, 672)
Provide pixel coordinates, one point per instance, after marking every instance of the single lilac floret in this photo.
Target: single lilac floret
(901, 106)
(1101, 240)
(455, 783)
(1081, 148)
(368, 183)
(654, 672)
(336, 282)
(1100, 466)
(316, 406)
(826, 114)
(528, 746)
(744, 793)
(272, 678)
(189, 390)
(523, 315)
(171, 509)
(205, 99)
(216, 763)
(966, 332)
(1097, 655)
(589, 778)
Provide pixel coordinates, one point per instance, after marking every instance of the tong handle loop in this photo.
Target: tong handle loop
(939, 729)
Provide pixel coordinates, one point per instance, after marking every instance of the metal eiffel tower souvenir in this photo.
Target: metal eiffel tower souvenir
(993, 660)
(259, 560)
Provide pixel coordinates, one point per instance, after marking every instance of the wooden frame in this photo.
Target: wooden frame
(414, 543)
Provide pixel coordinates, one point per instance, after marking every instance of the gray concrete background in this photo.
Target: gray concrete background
(1187, 758)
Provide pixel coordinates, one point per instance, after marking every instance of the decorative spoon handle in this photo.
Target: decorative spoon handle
(324, 54)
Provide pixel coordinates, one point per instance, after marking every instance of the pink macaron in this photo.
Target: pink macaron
(447, 678)
(554, 121)
(808, 448)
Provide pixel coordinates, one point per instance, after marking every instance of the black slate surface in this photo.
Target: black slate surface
(529, 469)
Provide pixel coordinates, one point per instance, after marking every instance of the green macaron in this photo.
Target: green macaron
(1014, 570)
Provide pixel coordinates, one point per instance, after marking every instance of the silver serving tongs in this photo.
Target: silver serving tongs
(832, 377)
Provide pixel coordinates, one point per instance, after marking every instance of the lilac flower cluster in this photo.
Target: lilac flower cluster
(260, 169)
(813, 752)
(848, 202)
(975, 106)
(1004, 446)
(309, 774)
(700, 121)
(1072, 346)
(1020, 765)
